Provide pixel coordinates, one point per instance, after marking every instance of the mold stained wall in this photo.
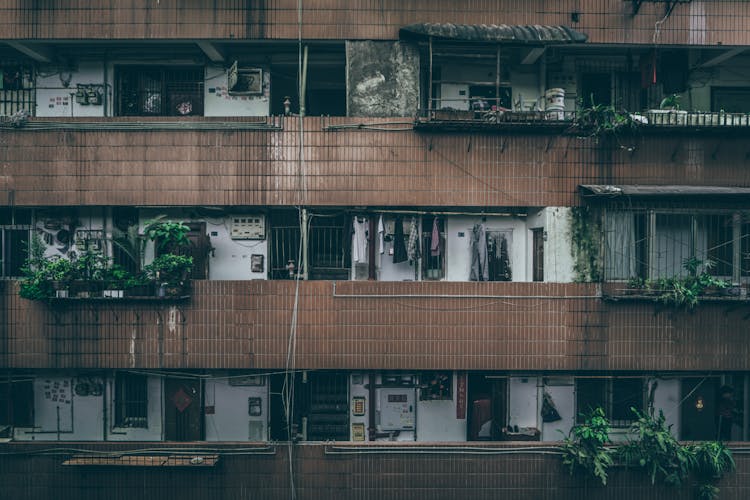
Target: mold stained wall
(230, 259)
(382, 78)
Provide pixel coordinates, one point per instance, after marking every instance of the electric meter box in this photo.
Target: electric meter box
(396, 409)
(248, 227)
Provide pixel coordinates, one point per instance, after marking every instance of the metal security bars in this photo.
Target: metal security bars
(154, 91)
(17, 90)
(131, 400)
(650, 244)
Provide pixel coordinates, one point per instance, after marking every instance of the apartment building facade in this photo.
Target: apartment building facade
(414, 227)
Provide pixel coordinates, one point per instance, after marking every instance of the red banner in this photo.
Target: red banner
(461, 395)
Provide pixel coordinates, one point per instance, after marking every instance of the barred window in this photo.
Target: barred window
(131, 400)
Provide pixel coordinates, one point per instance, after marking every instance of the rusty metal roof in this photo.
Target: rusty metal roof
(502, 33)
(615, 191)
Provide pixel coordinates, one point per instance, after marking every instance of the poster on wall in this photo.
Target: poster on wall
(461, 395)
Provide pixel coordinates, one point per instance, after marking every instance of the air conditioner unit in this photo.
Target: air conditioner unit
(244, 81)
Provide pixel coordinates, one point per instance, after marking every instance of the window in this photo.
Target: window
(329, 245)
(498, 255)
(17, 402)
(155, 91)
(131, 400)
(653, 244)
(16, 89)
(616, 396)
(730, 99)
(435, 385)
(15, 230)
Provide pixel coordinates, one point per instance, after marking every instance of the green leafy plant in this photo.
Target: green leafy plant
(90, 265)
(131, 243)
(584, 449)
(169, 269)
(116, 276)
(169, 236)
(585, 228)
(711, 461)
(655, 450)
(682, 291)
(671, 101)
(600, 120)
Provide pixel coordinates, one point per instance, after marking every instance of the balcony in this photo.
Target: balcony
(374, 325)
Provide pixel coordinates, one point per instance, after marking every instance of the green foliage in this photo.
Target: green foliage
(131, 243)
(682, 291)
(584, 449)
(169, 236)
(655, 450)
(90, 265)
(169, 268)
(585, 229)
(711, 461)
(670, 102)
(116, 275)
(599, 120)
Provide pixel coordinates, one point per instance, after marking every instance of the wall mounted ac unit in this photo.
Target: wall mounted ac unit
(244, 81)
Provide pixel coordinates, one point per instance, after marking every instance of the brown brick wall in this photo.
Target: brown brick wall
(477, 473)
(605, 21)
(482, 326)
(348, 167)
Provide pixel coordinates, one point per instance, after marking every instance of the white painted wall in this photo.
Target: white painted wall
(458, 245)
(436, 420)
(562, 392)
(86, 218)
(231, 420)
(58, 408)
(522, 397)
(55, 99)
(230, 259)
(154, 431)
(667, 398)
(218, 102)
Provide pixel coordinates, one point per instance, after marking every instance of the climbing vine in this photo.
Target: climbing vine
(585, 231)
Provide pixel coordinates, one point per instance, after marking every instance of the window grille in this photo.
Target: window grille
(328, 245)
(433, 266)
(131, 400)
(15, 233)
(653, 244)
(149, 91)
(17, 90)
(615, 396)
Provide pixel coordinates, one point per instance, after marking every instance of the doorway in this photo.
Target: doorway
(183, 409)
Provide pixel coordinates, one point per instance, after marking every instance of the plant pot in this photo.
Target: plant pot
(140, 291)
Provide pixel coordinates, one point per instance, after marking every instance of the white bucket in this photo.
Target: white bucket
(554, 99)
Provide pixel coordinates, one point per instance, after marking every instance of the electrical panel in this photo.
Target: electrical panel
(395, 410)
(248, 227)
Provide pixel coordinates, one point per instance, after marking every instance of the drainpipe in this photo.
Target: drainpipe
(303, 83)
(303, 242)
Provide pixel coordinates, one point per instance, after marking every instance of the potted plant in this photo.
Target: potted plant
(89, 269)
(139, 285)
(114, 281)
(169, 272)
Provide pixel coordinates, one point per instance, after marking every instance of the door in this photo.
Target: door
(183, 410)
(698, 409)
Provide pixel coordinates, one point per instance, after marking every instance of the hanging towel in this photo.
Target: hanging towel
(381, 233)
(399, 245)
(359, 250)
(479, 270)
(413, 249)
(435, 241)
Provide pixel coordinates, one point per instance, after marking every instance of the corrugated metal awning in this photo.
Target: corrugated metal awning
(498, 33)
(616, 191)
